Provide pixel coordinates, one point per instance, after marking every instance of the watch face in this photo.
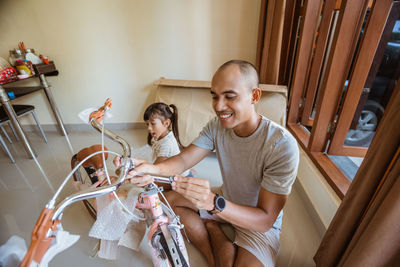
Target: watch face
(220, 203)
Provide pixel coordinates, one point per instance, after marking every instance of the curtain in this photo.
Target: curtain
(365, 230)
(270, 29)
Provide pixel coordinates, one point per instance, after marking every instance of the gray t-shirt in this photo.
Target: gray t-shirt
(268, 158)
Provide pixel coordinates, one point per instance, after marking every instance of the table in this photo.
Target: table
(18, 91)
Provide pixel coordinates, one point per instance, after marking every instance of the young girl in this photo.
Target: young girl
(162, 124)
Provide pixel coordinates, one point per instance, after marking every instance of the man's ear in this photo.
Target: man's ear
(255, 95)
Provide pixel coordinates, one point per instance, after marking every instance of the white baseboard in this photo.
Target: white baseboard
(85, 127)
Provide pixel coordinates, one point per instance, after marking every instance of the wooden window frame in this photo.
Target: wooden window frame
(289, 38)
(375, 28)
(307, 78)
(322, 46)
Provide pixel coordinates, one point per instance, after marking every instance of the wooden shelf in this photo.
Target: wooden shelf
(207, 85)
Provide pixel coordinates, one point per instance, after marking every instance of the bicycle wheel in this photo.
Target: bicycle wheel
(82, 175)
(169, 249)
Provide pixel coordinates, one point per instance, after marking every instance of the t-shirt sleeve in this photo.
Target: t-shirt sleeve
(206, 138)
(280, 171)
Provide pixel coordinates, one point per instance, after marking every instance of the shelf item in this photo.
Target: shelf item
(47, 69)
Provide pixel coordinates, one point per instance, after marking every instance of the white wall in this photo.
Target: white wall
(119, 48)
(323, 201)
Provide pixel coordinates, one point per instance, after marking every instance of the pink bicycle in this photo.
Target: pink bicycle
(88, 167)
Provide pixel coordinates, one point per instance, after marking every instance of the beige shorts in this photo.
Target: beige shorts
(264, 246)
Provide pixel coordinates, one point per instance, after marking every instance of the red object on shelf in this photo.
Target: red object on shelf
(8, 75)
(21, 46)
(44, 58)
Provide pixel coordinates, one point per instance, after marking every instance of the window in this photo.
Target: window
(347, 64)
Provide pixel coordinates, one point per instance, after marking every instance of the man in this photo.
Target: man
(258, 161)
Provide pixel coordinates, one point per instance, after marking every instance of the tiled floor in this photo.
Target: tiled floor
(25, 189)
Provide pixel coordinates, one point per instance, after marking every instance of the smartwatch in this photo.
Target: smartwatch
(219, 204)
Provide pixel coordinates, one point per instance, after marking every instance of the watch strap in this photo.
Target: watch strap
(211, 212)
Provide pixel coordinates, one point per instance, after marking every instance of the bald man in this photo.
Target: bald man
(258, 161)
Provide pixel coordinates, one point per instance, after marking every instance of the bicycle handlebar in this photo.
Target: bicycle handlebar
(49, 219)
(113, 136)
(96, 118)
(93, 192)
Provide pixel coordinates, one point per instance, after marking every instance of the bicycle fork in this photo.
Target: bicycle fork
(176, 251)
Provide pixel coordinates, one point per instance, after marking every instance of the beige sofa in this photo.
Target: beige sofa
(194, 104)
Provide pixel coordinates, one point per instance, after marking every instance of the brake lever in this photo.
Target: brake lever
(162, 179)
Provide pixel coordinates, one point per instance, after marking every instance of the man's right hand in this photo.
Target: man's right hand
(137, 176)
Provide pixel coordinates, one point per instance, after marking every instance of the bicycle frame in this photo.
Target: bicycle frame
(49, 221)
(151, 201)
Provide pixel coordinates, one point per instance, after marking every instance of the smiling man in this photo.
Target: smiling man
(258, 161)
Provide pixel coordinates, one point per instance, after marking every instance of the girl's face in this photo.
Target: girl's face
(158, 128)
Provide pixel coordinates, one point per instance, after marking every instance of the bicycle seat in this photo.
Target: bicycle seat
(95, 161)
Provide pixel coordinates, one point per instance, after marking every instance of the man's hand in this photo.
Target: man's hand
(195, 190)
(136, 176)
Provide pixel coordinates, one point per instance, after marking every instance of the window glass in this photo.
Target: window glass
(377, 90)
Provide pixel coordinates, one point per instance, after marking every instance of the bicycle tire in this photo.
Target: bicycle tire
(82, 175)
(164, 245)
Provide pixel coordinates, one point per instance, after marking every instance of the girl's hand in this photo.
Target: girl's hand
(196, 190)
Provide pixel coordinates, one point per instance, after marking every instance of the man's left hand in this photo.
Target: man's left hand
(196, 190)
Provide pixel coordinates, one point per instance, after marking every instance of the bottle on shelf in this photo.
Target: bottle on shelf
(16, 54)
(31, 56)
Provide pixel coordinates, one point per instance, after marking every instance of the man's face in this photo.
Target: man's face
(231, 98)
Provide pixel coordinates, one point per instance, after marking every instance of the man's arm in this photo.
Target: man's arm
(160, 159)
(260, 218)
(189, 157)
